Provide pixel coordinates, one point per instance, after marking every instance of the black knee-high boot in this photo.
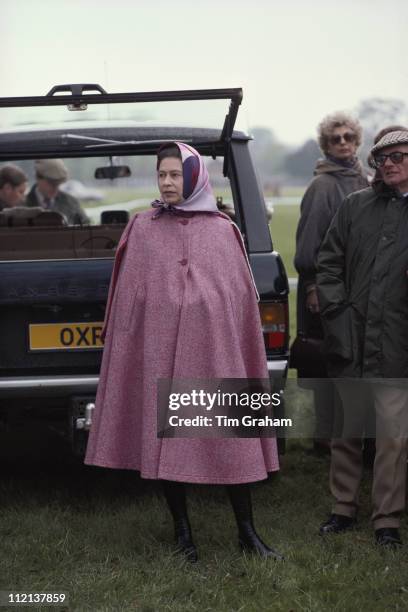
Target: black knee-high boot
(240, 496)
(175, 494)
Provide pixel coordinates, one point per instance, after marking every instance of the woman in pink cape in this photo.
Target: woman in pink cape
(182, 305)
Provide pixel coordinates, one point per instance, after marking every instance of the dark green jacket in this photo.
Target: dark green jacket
(363, 286)
(65, 204)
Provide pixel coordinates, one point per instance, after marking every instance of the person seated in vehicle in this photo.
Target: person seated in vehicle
(46, 192)
(13, 185)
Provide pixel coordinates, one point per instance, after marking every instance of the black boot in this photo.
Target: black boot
(240, 496)
(175, 495)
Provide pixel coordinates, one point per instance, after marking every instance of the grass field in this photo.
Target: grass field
(283, 231)
(105, 538)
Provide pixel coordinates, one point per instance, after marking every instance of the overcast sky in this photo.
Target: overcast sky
(296, 60)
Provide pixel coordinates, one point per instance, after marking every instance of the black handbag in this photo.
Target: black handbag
(306, 356)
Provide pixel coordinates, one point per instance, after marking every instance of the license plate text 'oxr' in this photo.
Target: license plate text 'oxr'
(65, 336)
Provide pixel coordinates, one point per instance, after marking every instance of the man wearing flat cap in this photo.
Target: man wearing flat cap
(363, 297)
(50, 174)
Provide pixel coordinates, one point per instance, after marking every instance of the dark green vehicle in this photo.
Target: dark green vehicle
(54, 277)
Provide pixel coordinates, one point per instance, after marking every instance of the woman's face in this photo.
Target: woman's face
(170, 180)
(342, 143)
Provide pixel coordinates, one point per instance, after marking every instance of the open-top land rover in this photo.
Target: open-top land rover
(54, 277)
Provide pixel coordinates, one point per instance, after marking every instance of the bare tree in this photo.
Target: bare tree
(376, 114)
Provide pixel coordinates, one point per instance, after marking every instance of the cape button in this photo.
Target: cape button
(183, 262)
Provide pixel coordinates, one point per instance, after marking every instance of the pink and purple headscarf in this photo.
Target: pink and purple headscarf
(197, 192)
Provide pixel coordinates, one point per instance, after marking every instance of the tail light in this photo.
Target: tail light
(275, 324)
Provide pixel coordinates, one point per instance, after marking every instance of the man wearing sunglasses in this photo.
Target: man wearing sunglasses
(363, 296)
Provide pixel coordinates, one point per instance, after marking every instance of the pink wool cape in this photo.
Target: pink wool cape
(181, 305)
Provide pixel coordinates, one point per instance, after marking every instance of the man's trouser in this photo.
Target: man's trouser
(390, 467)
(325, 399)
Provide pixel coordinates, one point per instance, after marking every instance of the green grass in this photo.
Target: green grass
(105, 538)
(283, 231)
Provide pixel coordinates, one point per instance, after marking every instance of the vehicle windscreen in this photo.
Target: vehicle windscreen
(200, 113)
(82, 160)
(86, 216)
(98, 196)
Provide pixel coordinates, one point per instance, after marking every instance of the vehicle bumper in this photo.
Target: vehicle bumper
(47, 386)
(59, 386)
(278, 368)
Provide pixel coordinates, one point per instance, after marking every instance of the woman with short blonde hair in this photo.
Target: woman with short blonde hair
(328, 125)
(336, 175)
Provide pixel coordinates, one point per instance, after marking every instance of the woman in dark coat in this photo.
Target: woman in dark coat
(337, 175)
(182, 305)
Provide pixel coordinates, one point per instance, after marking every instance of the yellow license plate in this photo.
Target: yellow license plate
(65, 336)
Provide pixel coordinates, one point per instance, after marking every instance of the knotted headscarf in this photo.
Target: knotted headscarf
(197, 192)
